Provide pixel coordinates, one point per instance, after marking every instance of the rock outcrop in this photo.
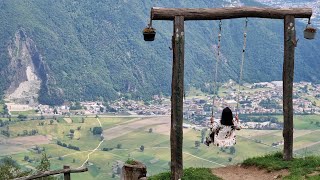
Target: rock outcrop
(26, 70)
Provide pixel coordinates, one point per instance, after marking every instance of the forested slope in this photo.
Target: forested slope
(95, 49)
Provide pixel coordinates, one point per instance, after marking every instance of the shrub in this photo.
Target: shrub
(119, 146)
(142, 148)
(97, 130)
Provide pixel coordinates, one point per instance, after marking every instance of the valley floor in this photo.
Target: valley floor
(124, 137)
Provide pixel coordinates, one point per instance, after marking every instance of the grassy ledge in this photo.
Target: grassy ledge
(188, 174)
(299, 168)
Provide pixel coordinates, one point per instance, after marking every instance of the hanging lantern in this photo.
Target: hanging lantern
(149, 33)
(310, 32)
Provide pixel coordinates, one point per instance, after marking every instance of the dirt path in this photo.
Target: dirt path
(94, 150)
(248, 173)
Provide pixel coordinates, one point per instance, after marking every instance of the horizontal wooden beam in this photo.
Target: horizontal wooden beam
(158, 13)
(50, 173)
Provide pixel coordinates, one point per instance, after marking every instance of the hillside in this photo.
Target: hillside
(78, 50)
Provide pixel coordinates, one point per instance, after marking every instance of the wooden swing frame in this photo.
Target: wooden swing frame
(178, 16)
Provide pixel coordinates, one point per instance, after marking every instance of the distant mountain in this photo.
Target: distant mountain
(61, 50)
(314, 4)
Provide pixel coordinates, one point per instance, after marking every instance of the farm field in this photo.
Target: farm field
(27, 112)
(124, 136)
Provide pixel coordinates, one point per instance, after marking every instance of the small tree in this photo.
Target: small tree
(71, 135)
(22, 117)
(232, 150)
(118, 170)
(197, 144)
(142, 148)
(51, 121)
(26, 158)
(97, 130)
(119, 146)
(82, 120)
(44, 163)
(9, 169)
(150, 130)
(74, 160)
(72, 131)
(203, 134)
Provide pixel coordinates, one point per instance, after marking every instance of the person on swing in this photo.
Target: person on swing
(223, 132)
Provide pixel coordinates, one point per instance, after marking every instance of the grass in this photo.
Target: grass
(189, 174)
(195, 93)
(311, 150)
(299, 168)
(156, 154)
(313, 99)
(301, 122)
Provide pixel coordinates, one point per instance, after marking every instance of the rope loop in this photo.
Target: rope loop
(216, 69)
(242, 63)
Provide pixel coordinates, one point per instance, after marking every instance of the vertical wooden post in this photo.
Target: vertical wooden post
(176, 133)
(66, 175)
(288, 73)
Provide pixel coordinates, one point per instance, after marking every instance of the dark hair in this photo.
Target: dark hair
(227, 117)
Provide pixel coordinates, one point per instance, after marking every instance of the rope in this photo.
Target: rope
(242, 62)
(216, 69)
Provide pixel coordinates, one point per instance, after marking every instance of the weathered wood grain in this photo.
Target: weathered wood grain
(228, 13)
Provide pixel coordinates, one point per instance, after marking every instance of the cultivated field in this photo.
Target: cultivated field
(125, 136)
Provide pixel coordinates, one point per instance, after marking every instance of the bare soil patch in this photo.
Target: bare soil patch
(14, 145)
(30, 140)
(68, 120)
(124, 129)
(165, 129)
(314, 174)
(237, 172)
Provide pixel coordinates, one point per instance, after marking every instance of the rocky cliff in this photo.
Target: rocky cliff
(26, 68)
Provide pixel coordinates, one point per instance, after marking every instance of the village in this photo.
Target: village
(259, 99)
